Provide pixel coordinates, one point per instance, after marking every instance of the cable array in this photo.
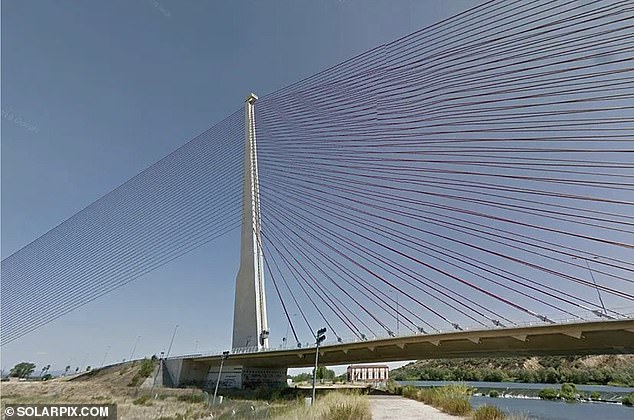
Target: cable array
(183, 201)
(476, 173)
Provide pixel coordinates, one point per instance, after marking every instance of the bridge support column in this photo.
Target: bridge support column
(250, 324)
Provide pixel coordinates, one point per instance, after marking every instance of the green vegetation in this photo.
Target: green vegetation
(145, 370)
(488, 412)
(22, 370)
(603, 370)
(548, 394)
(323, 374)
(628, 399)
(331, 406)
(494, 394)
(568, 392)
(452, 399)
(143, 400)
(595, 395)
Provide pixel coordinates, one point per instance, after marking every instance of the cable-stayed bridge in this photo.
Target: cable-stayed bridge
(458, 191)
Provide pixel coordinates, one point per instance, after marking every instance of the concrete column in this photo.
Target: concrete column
(250, 324)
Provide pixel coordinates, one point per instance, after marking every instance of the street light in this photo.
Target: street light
(171, 342)
(134, 347)
(225, 355)
(319, 337)
(104, 356)
(397, 313)
(596, 287)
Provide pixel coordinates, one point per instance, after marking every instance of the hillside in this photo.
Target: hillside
(604, 369)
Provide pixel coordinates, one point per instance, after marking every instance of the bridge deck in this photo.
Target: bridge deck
(599, 337)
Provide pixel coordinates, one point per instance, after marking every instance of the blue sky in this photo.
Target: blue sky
(94, 92)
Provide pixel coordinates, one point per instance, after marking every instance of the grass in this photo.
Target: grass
(144, 371)
(452, 399)
(332, 406)
(628, 400)
(489, 412)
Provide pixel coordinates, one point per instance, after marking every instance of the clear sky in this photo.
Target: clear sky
(94, 92)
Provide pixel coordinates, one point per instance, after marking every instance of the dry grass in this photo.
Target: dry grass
(133, 404)
(452, 399)
(489, 412)
(112, 386)
(332, 406)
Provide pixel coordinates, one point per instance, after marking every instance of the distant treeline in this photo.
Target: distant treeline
(616, 370)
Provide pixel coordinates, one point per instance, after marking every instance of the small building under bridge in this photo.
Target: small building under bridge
(368, 373)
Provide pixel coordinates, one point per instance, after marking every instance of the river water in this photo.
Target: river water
(523, 400)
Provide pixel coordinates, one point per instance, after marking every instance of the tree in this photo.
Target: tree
(44, 369)
(22, 370)
(324, 373)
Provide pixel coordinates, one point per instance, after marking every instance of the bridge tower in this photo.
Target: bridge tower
(250, 324)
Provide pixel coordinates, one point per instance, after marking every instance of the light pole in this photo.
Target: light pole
(596, 287)
(225, 355)
(319, 337)
(134, 347)
(104, 356)
(398, 321)
(171, 342)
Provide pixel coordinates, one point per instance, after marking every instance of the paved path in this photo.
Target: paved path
(395, 407)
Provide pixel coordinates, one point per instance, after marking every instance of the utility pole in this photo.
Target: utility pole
(319, 337)
(225, 355)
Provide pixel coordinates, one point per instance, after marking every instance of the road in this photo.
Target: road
(395, 407)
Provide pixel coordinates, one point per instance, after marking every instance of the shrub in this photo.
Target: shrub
(595, 395)
(452, 399)
(568, 391)
(146, 369)
(488, 412)
(628, 399)
(548, 394)
(345, 412)
(494, 394)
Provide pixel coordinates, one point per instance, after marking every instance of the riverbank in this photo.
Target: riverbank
(526, 404)
(615, 370)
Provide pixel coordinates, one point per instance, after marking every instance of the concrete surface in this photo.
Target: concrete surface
(395, 407)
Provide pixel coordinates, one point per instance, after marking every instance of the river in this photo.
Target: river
(523, 400)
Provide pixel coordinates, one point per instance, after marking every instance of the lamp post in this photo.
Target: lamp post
(225, 355)
(319, 337)
(104, 356)
(171, 342)
(134, 347)
(596, 287)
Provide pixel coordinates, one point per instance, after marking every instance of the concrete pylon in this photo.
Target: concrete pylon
(250, 324)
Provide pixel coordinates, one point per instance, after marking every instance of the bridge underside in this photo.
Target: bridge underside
(604, 337)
